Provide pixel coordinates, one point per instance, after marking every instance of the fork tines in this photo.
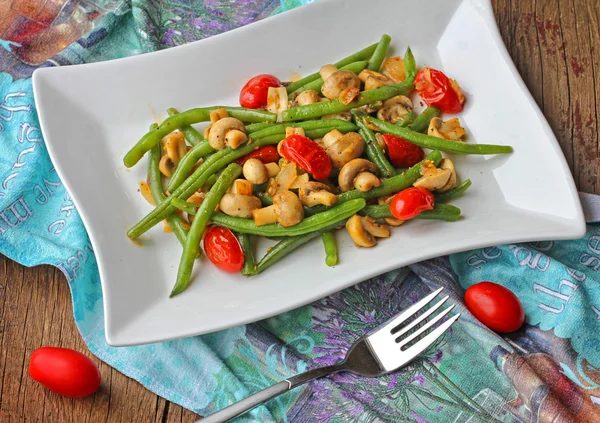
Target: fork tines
(390, 343)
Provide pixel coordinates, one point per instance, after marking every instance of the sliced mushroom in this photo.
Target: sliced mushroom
(373, 79)
(307, 97)
(217, 114)
(364, 230)
(450, 130)
(175, 146)
(286, 210)
(394, 108)
(346, 148)
(255, 171)
(365, 181)
(433, 178)
(299, 181)
(331, 138)
(447, 164)
(393, 68)
(342, 84)
(241, 187)
(347, 179)
(313, 193)
(392, 221)
(272, 169)
(239, 205)
(227, 131)
(375, 229)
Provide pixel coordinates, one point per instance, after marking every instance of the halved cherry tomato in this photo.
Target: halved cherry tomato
(254, 93)
(266, 154)
(64, 371)
(495, 306)
(223, 249)
(402, 153)
(437, 90)
(307, 154)
(411, 202)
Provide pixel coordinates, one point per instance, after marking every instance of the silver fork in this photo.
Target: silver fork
(375, 354)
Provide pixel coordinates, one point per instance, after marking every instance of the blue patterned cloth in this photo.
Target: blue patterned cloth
(467, 374)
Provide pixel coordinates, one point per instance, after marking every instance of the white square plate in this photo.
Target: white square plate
(92, 114)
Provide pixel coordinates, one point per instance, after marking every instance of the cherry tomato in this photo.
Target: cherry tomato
(402, 153)
(254, 93)
(266, 154)
(307, 154)
(64, 371)
(223, 249)
(411, 202)
(495, 306)
(437, 90)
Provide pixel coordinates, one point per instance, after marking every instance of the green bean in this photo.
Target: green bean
(421, 123)
(156, 190)
(356, 67)
(379, 53)
(187, 118)
(315, 110)
(257, 127)
(183, 205)
(331, 253)
(374, 150)
(313, 223)
(210, 166)
(454, 193)
(265, 198)
(445, 212)
(191, 135)
(187, 163)
(388, 186)
(436, 143)
(209, 182)
(407, 119)
(338, 124)
(364, 54)
(206, 209)
(249, 263)
(287, 245)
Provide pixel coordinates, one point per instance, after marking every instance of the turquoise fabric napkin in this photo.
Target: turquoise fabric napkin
(547, 371)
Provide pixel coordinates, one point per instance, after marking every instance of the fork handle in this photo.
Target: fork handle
(266, 394)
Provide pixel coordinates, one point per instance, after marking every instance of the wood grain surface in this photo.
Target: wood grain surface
(556, 47)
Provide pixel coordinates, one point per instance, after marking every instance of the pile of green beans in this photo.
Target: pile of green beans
(356, 67)
(214, 171)
(364, 54)
(190, 117)
(316, 110)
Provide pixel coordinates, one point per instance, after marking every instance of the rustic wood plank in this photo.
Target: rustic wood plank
(553, 46)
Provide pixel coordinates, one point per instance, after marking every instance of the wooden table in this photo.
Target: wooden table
(555, 45)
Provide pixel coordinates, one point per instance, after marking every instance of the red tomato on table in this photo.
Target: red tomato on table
(437, 90)
(254, 93)
(402, 153)
(495, 306)
(64, 371)
(410, 202)
(308, 156)
(266, 154)
(223, 249)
